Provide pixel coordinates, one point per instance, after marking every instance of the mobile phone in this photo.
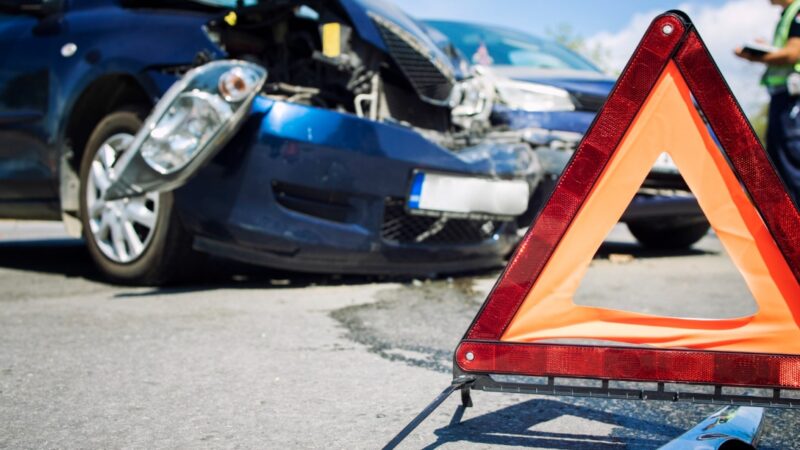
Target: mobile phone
(756, 49)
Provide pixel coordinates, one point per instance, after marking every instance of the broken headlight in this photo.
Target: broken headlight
(194, 120)
(189, 123)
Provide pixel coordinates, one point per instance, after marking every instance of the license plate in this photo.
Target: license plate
(463, 195)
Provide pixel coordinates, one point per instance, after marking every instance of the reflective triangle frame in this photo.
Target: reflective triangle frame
(484, 361)
(671, 43)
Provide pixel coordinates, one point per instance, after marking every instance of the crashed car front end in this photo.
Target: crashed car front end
(307, 189)
(385, 163)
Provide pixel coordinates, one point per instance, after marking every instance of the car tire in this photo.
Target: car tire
(666, 235)
(137, 240)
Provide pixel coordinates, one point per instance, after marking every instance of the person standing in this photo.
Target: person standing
(782, 80)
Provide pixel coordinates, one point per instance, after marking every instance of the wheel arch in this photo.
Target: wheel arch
(102, 96)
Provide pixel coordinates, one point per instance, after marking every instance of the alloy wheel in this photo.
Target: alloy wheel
(122, 229)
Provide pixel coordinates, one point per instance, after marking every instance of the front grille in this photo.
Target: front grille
(431, 79)
(589, 102)
(401, 227)
(329, 205)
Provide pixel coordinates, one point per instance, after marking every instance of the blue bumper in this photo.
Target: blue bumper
(308, 189)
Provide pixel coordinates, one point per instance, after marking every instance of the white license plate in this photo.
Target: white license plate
(468, 195)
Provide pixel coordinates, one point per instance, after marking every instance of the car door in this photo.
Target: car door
(28, 161)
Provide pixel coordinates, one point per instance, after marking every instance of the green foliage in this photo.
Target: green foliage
(565, 35)
(759, 122)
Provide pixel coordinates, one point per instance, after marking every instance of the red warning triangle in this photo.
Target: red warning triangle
(653, 109)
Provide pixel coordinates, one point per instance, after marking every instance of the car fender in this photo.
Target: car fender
(114, 40)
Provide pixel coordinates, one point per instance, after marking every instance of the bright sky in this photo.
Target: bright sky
(617, 26)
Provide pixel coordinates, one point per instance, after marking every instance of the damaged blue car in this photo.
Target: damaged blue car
(324, 136)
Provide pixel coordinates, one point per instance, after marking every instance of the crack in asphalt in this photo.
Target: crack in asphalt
(359, 321)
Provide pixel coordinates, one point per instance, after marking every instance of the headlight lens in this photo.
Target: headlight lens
(193, 121)
(186, 127)
(196, 115)
(534, 96)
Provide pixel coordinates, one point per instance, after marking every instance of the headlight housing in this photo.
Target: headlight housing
(534, 96)
(192, 121)
(188, 125)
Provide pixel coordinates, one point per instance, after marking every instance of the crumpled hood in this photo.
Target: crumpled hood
(360, 10)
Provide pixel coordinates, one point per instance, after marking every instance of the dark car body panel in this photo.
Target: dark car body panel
(39, 87)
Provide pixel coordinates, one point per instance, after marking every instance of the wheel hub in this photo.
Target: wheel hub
(122, 229)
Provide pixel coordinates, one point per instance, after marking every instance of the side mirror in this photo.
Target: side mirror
(38, 8)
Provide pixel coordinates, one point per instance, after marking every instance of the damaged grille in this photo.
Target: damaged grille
(431, 79)
(401, 227)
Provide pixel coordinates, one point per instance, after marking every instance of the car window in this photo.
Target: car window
(488, 45)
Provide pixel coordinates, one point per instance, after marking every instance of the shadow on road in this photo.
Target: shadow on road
(69, 257)
(511, 426)
(638, 251)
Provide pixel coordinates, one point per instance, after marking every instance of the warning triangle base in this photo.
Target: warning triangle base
(621, 390)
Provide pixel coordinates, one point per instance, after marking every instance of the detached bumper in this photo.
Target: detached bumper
(308, 189)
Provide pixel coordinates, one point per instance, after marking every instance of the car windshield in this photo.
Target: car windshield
(488, 45)
(226, 3)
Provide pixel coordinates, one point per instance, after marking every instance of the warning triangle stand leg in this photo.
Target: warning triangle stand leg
(462, 383)
(466, 396)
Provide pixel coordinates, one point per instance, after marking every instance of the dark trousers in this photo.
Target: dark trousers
(783, 139)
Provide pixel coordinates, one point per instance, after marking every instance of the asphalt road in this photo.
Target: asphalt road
(249, 358)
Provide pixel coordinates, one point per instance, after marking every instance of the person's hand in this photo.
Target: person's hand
(739, 51)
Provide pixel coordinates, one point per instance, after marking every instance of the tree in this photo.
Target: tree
(759, 121)
(565, 35)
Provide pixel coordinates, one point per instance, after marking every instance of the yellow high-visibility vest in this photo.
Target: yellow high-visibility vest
(776, 75)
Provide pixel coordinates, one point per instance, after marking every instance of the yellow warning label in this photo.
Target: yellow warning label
(230, 18)
(331, 39)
